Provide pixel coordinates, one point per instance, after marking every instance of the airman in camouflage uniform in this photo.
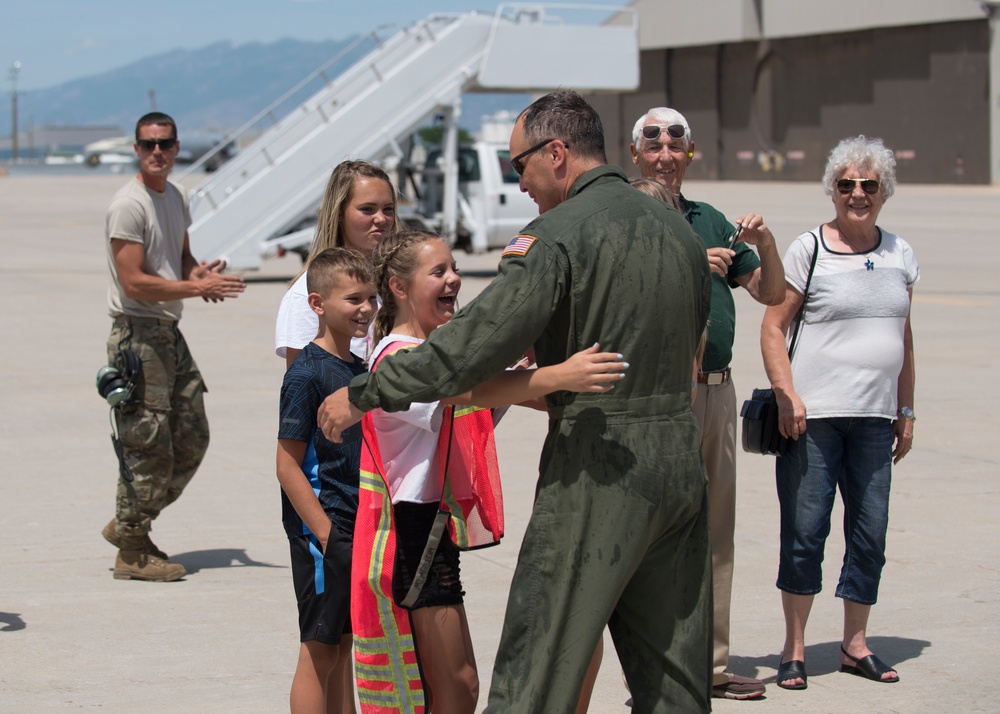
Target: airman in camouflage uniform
(619, 530)
(163, 427)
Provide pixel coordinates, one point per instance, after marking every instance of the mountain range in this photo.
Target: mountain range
(217, 88)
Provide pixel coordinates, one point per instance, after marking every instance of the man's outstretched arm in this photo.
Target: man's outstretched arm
(490, 333)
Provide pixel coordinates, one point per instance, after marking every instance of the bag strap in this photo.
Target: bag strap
(426, 559)
(436, 533)
(805, 296)
(441, 519)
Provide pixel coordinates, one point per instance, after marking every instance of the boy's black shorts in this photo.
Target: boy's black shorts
(323, 586)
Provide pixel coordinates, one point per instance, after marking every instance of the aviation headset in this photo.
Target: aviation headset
(118, 387)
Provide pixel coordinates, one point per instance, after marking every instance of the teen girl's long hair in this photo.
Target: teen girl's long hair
(338, 194)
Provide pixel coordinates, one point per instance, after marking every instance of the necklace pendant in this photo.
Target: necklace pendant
(869, 265)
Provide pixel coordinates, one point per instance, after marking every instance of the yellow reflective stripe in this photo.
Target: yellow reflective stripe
(459, 530)
(383, 699)
(465, 411)
(393, 644)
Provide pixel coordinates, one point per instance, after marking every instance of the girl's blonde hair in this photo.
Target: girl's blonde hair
(338, 194)
(395, 256)
(654, 188)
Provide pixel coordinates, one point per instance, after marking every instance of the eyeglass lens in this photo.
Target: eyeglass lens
(869, 186)
(652, 131)
(151, 144)
(516, 164)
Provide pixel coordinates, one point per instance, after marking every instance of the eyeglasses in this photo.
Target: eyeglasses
(653, 131)
(516, 164)
(151, 144)
(869, 186)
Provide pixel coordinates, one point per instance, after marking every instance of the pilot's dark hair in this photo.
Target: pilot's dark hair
(565, 115)
(155, 119)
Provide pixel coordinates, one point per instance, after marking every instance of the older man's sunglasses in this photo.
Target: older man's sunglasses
(151, 144)
(869, 186)
(653, 131)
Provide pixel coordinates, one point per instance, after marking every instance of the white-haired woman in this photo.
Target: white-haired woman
(845, 401)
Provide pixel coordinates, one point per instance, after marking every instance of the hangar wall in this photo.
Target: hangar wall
(772, 109)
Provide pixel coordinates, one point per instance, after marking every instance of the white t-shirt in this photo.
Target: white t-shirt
(408, 441)
(850, 346)
(297, 324)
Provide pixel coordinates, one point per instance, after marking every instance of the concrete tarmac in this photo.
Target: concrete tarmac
(225, 638)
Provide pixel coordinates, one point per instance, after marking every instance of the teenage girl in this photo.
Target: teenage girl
(418, 282)
(358, 210)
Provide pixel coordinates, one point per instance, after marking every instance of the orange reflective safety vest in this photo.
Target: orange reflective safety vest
(385, 657)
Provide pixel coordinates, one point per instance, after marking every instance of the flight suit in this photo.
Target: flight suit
(619, 528)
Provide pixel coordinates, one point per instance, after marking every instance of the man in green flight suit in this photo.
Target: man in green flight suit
(619, 530)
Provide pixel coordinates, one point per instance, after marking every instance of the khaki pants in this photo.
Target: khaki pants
(715, 408)
(164, 430)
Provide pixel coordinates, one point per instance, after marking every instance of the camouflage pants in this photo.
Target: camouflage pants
(163, 428)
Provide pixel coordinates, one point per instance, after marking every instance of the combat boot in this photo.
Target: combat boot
(110, 534)
(134, 563)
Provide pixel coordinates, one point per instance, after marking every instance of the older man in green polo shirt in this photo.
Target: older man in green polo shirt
(662, 149)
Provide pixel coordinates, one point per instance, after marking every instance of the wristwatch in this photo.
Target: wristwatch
(906, 412)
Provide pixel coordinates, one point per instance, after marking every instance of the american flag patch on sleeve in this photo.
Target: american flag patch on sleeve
(519, 245)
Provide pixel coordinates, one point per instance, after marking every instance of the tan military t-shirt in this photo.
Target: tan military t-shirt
(158, 221)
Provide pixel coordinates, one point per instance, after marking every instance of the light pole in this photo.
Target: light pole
(15, 69)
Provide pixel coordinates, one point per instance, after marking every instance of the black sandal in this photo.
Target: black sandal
(870, 667)
(793, 669)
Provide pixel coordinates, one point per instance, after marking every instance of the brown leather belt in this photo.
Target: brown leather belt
(713, 378)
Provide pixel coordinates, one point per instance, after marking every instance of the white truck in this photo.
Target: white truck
(491, 206)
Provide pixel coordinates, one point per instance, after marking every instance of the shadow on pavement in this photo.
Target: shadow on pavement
(196, 560)
(824, 657)
(11, 622)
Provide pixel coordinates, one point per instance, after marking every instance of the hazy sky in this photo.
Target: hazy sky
(59, 40)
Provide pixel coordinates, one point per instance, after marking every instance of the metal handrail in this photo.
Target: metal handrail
(372, 34)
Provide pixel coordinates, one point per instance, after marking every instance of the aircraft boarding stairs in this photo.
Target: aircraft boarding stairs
(274, 184)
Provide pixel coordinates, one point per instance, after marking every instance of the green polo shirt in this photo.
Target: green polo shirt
(715, 231)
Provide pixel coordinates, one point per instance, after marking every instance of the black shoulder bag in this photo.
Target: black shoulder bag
(760, 412)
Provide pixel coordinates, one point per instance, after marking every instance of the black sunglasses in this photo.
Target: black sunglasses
(869, 186)
(653, 131)
(151, 144)
(516, 164)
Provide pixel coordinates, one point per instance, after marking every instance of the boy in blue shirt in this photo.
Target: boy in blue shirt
(319, 480)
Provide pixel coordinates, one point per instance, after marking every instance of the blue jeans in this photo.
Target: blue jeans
(854, 455)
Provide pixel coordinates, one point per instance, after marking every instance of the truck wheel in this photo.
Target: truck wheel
(414, 224)
(212, 165)
(463, 242)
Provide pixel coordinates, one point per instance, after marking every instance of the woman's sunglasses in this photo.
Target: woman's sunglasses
(151, 144)
(653, 131)
(869, 186)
